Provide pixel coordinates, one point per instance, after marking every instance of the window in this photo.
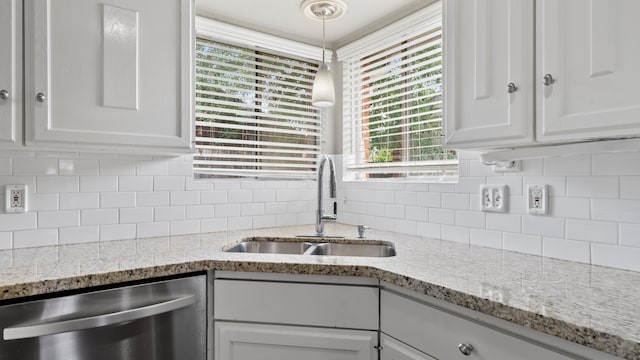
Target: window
(393, 102)
(254, 116)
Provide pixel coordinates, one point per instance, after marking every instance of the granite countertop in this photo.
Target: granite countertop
(589, 305)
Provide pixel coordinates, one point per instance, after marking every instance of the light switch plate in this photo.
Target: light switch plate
(493, 198)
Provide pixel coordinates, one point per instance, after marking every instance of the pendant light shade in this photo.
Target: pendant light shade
(323, 93)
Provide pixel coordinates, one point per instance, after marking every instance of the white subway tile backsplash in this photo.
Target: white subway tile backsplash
(213, 197)
(169, 213)
(442, 216)
(241, 196)
(442, 188)
(213, 225)
(13, 222)
(373, 209)
(78, 235)
(98, 183)
(275, 208)
(5, 167)
(79, 201)
(592, 231)
(191, 184)
(417, 213)
(385, 224)
(477, 168)
(542, 225)
(168, 183)
(117, 167)
(615, 256)
(157, 198)
(241, 223)
(117, 199)
(153, 167)
(408, 227)
(593, 186)
(557, 185)
(33, 238)
(394, 211)
(486, 238)
(527, 244)
(429, 199)
(406, 198)
(470, 185)
(135, 183)
(630, 187)
(619, 163)
(58, 219)
(227, 185)
(568, 166)
(504, 222)
(152, 229)
(79, 167)
(564, 249)
(136, 215)
(99, 217)
(6, 240)
(630, 235)
(57, 184)
(35, 166)
(199, 211)
(455, 201)
(264, 221)
(470, 219)
(514, 183)
(574, 208)
(43, 202)
(184, 227)
(117, 232)
(616, 210)
(227, 210)
(455, 233)
(286, 219)
(264, 195)
(185, 198)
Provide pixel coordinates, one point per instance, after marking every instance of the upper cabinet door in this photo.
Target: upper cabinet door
(591, 51)
(109, 74)
(10, 73)
(488, 54)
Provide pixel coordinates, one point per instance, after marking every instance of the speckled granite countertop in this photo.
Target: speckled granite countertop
(590, 305)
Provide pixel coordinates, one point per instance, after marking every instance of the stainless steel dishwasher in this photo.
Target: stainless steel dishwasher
(163, 320)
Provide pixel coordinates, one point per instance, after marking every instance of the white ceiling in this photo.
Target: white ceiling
(284, 18)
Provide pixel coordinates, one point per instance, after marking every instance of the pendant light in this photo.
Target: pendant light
(323, 93)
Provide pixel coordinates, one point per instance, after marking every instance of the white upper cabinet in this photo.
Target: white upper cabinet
(488, 54)
(109, 74)
(591, 50)
(585, 80)
(10, 73)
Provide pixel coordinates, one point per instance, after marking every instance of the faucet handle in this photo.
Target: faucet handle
(329, 217)
(361, 229)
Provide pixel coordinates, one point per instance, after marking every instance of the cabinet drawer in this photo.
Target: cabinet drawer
(354, 307)
(438, 333)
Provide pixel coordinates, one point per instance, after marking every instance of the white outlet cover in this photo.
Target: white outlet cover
(9, 206)
(493, 198)
(537, 199)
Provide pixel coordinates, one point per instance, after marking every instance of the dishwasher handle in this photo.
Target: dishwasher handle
(51, 328)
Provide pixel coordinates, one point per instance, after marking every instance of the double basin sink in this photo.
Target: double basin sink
(360, 249)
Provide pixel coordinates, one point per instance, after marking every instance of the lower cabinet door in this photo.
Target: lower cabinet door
(392, 349)
(243, 341)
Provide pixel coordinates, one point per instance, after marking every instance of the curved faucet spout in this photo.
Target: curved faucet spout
(321, 217)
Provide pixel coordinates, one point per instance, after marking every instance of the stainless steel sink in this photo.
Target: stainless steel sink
(271, 247)
(350, 249)
(368, 249)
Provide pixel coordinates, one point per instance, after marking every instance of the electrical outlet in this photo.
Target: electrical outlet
(537, 199)
(16, 198)
(493, 198)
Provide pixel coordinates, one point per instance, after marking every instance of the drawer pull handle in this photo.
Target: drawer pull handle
(465, 349)
(40, 97)
(548, 80)
(511, 88)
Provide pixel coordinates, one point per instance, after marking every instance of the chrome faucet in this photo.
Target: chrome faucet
(321, 217)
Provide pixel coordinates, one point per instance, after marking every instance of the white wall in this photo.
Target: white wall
(77, 197)
(594, 208)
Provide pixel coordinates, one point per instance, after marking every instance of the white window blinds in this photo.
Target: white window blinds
(253, 113)
(393, 102)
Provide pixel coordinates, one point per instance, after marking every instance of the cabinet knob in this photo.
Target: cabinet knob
(4, 94)
(511, 88)
(465, 349)
(41, 97)
(548, 80)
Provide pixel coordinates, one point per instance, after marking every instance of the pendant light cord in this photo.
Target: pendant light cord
(324, 37)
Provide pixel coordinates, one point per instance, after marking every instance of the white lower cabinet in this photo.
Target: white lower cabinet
(440, 334)
(242, 341)
(392, 349)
